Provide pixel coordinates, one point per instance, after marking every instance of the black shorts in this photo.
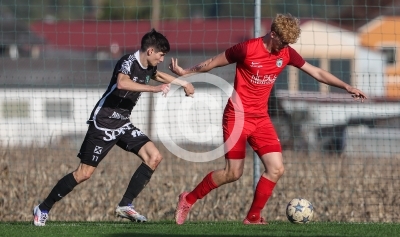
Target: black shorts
(98, 142)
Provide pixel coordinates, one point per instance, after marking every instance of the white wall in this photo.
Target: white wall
(369, 72)
(320, 40)
(324, 41)
(186, 119)
(39, 130)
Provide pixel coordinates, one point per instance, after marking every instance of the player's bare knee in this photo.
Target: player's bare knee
(154, 160)
(278, 171)
(281, 171)
(82, 177)
(233, 175)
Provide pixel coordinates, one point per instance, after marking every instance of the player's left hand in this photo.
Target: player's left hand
(175, 68)
(357, 94)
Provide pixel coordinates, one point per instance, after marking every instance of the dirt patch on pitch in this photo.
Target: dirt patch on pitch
(341, 189)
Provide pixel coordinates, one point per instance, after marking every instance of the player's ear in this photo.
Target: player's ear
(150, 51)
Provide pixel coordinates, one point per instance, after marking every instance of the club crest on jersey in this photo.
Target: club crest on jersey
(147, 79)
(279, 62)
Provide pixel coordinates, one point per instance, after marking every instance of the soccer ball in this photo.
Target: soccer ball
(299, 211)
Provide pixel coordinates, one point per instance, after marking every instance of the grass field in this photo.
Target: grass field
(169, 229)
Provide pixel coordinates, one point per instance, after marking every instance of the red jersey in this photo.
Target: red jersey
(256, 71)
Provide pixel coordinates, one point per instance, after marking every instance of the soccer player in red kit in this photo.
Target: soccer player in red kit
(258, 64)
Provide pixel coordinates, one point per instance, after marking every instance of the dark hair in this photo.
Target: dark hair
(156, 40)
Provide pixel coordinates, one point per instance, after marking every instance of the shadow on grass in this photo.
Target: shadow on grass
(181, 235)
(211, 235)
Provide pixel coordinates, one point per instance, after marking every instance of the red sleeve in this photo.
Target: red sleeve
(236, 53)
(295, 58)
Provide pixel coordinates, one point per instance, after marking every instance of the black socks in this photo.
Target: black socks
(62, 188)
(138, 181)
(65, 185)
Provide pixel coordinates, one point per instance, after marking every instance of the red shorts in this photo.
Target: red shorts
(258, 131)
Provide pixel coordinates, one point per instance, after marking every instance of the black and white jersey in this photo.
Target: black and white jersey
(112, 111)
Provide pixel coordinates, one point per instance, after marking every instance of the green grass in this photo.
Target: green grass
(197, 229)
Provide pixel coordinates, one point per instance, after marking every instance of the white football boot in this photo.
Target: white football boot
(39, 217)
(129, 213)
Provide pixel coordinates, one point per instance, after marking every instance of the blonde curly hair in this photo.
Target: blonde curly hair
(287, 27)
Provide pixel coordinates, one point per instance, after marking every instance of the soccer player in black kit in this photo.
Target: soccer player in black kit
(109, 125)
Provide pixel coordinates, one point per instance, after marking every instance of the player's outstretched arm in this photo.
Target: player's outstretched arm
(125, 83)
(329, 79)
(166, 78)
(216, 61)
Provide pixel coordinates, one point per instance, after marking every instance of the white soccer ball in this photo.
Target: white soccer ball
(299, 211)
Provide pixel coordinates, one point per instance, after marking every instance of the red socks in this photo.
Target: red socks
(261, 195)
(202, 189)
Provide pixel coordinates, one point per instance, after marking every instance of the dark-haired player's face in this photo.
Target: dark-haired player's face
(155, 57)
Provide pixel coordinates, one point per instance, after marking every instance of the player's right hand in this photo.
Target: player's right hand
(189, 89)
(164, 88)
(175, 68)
